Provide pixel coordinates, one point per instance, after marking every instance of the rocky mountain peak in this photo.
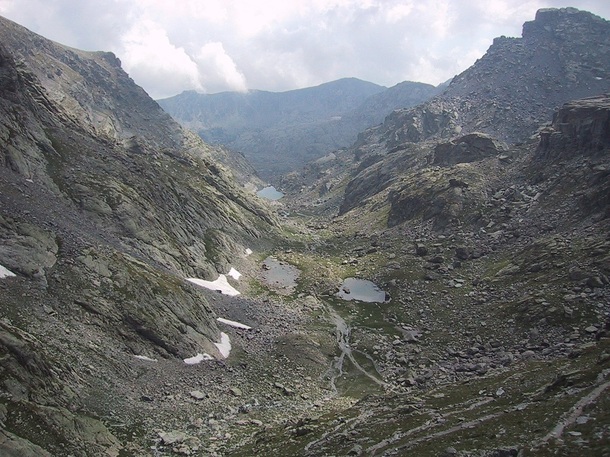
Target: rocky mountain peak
(561, 21)
(564, 54)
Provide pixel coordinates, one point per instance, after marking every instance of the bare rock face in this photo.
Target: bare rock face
(582, 125)
(468, 148)
(580, 133)
(564, 54)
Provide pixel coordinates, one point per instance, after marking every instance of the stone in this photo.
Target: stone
(355, 450)
(421, 250)
(235, 391)
(528, 355)
(463, 253)
(173, 437)
(468, 148)
(595, 282)
(197, 395)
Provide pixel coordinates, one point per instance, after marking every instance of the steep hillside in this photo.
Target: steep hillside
(563, 54)
(106, 205)
(280, 132)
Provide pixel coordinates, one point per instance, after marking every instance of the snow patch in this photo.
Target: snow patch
(143, 357)
(224, 347)
(198, 359)
(234, 274)
(234, 323)
(5, 272)
(221, 285)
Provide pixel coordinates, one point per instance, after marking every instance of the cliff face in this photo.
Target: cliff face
(106, 205)
(582, 125)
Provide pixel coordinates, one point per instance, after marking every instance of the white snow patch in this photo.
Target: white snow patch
(224, 347)
(248, 252)
(234, 274)
(143, 357)
(5, 272)
(221, 285)
(198, 359)
(234, 323)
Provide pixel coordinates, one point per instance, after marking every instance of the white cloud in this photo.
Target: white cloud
(218, 70)
(154, 62)
(398, 12)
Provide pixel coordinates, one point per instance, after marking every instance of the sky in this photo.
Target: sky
(169, 46)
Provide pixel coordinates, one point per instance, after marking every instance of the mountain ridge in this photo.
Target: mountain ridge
(280, 131)
(106, 206)
(492, 97)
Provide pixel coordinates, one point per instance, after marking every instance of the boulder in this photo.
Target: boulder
(468, 148)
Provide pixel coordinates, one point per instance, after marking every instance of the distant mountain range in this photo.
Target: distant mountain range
(279, 132)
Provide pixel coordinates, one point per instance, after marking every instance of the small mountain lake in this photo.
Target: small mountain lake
(362, 290)
(270, 193)
(280, 275)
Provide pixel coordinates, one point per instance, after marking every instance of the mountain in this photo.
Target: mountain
(430, 290)
(489, 230)
(107, 204)
(509, 93)
(280, 132)
(516, 85)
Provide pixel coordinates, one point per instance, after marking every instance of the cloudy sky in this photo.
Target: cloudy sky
(217, 45)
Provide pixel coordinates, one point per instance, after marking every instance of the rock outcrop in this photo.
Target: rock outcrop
(466, 149)
(581, 125)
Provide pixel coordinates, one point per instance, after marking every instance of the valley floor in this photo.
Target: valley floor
(462, 359)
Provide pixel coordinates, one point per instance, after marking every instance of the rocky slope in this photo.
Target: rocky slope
(280, 132)
(494, 338)
(517, 84)
(107, 204)
(508, 94)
